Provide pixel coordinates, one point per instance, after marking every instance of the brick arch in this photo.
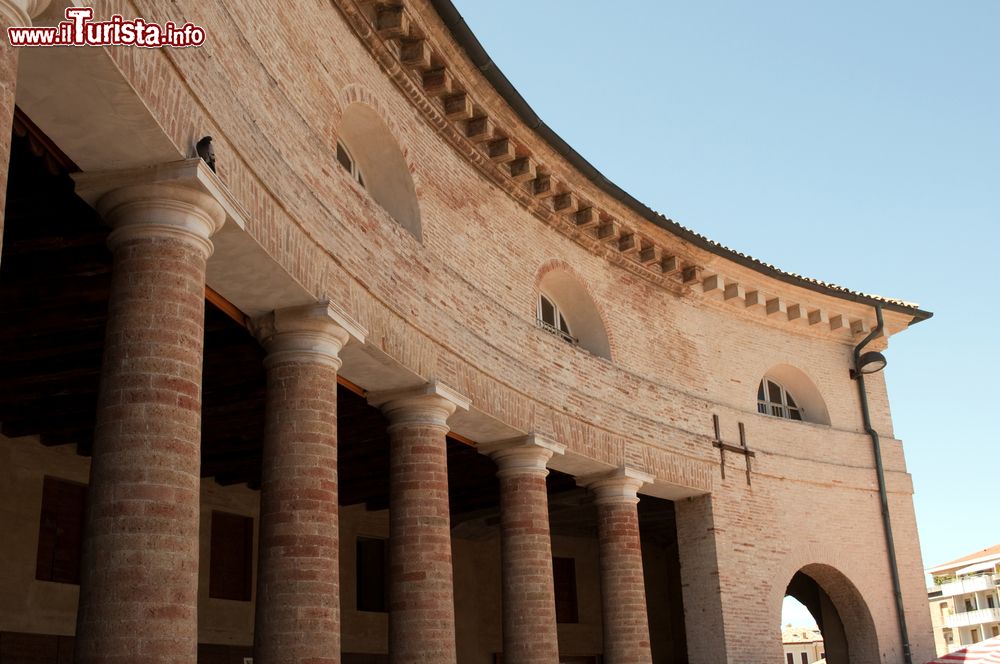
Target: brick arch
(356, 93)
(852, 610)
(555, 265)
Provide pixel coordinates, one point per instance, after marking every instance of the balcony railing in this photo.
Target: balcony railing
(969, 584)
(978, 617)
(565, 336)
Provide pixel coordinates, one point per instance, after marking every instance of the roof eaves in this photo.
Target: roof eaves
(465, 38)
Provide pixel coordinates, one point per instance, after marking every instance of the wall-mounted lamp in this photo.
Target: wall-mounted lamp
(869, 363)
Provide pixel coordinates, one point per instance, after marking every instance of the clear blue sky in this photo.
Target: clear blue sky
(856, 142)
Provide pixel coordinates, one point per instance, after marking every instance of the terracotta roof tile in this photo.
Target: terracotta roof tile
(985, 553)
(462, 34)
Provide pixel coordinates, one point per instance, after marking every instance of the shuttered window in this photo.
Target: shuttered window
(564, 580)
(230, 560)
(370, 574)
(60, 532)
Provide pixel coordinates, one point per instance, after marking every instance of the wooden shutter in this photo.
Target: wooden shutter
(230, 573)
(370, 574)
(60, 532)
(564, 580)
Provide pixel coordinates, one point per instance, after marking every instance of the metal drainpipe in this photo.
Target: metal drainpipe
(883, 495)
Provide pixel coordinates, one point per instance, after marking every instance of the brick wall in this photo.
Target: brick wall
(271, 85)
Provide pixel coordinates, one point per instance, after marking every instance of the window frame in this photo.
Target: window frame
(225, 552)
(775, 409)
(368, 599)
(59, 544)
(565, 590)
(353, 169)
(559, 326)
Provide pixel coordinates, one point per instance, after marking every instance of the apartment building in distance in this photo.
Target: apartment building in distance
(393, 375)
(965, 600)
(802, 645)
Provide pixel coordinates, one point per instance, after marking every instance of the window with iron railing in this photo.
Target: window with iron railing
(551, 319)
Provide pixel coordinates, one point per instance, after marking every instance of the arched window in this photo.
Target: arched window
(367, 150)
(774, 399)
(351, 166)
(566, 310)
(786, 391)
(552, 320)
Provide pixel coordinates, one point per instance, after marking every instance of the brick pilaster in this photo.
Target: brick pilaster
(623, 591)
(697, 535)
(298, 580)
(530, 635)
(421, 594)
(139, 585)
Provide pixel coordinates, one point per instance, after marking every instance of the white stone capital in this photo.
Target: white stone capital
(177, 200)
(20, 12)
(313, 333)
(430, 404)
(620, 485)
(524, 455)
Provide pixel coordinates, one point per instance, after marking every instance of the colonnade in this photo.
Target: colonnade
(139, 586)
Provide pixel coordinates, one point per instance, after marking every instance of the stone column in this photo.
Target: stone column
(623, 590)
(298, 575)
(13, 13)
(530, 635)
(421, 595)
(139, 585)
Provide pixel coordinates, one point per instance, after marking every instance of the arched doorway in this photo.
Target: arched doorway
(843, 618)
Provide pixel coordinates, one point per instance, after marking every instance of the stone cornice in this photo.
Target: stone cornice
(618, 486)
(20, 12)
(309, 333)
(168, 200)
(524, 455)
(430, 404)
(412, 55)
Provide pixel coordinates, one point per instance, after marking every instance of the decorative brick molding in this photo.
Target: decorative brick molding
(355, 93)
(414, 59)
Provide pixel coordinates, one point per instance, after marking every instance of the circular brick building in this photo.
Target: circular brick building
(399, 377)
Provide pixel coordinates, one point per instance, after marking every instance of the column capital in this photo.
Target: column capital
(524, 455)
(308, 333)
(620, 485)
(432, 403)
(20, 12)
(178, 199)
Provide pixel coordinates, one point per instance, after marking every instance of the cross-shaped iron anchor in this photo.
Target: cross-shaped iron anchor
(726, 447)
